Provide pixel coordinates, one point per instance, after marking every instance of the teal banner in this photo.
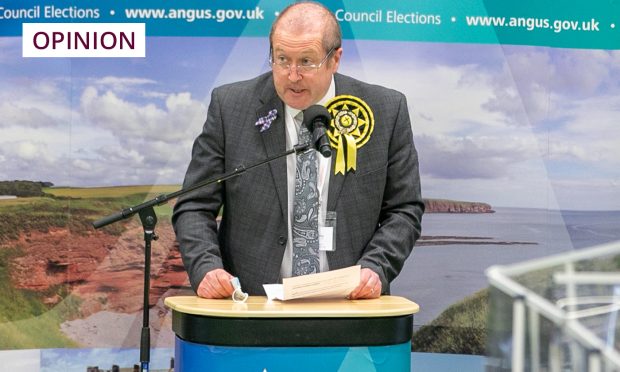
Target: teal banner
(566, 24)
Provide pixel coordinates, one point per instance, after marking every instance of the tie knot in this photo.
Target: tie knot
(299, 118)
(303, 133)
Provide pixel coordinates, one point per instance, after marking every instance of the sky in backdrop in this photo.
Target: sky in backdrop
(513, 126)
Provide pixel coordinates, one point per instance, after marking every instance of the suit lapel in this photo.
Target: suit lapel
(274, 141)
(336, 181)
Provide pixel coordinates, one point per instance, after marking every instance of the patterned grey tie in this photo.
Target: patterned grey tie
(305, 210)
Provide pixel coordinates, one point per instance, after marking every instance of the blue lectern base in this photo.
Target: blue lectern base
(195, 357)
(317, 335)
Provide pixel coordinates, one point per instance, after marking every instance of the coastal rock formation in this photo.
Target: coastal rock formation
(105, 271)
(455, 206)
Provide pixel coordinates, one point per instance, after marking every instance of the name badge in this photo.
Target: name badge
(326, 238)
(327, 233)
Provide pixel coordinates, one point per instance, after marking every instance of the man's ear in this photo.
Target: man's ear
(336, 60)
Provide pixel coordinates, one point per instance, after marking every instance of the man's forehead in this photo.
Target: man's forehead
(286, 40)
(299, 32)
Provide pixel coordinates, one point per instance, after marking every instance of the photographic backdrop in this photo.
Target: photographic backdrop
(514, 111)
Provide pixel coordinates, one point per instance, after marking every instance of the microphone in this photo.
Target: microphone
(316, 119)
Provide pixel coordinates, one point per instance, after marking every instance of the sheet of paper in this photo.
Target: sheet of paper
(330, 284)
(274, 291)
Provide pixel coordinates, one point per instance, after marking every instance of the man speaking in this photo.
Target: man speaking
(273, 215)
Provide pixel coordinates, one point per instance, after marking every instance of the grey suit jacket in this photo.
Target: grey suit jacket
(379, 206)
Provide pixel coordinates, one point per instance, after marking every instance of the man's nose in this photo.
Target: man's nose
(293, 74)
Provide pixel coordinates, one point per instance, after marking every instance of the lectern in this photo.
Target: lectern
(299, 335)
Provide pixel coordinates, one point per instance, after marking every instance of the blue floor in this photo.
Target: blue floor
(64, 360)
(434, 362)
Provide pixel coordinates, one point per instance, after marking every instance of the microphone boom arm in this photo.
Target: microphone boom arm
(161, 199)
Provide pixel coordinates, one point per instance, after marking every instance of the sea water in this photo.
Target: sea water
(436, 276)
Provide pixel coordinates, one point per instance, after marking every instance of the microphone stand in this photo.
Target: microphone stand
(149, 220)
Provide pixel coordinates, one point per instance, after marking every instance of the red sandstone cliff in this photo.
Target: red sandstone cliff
(454, 206)
(104, 271)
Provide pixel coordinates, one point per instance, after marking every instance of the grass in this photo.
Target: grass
(75, 209)
(460, 329)
(145, 192)
(110, 192)
(25, 322)
(39, 331)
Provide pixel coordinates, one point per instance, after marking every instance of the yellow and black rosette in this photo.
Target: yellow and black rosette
(350, 128)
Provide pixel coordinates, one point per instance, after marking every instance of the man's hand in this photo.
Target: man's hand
(216, 284)
(369, 287)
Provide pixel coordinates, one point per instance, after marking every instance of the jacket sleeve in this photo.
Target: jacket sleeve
(402, 207)
(195, 213)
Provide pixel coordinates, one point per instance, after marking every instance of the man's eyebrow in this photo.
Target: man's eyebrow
(303, 52)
